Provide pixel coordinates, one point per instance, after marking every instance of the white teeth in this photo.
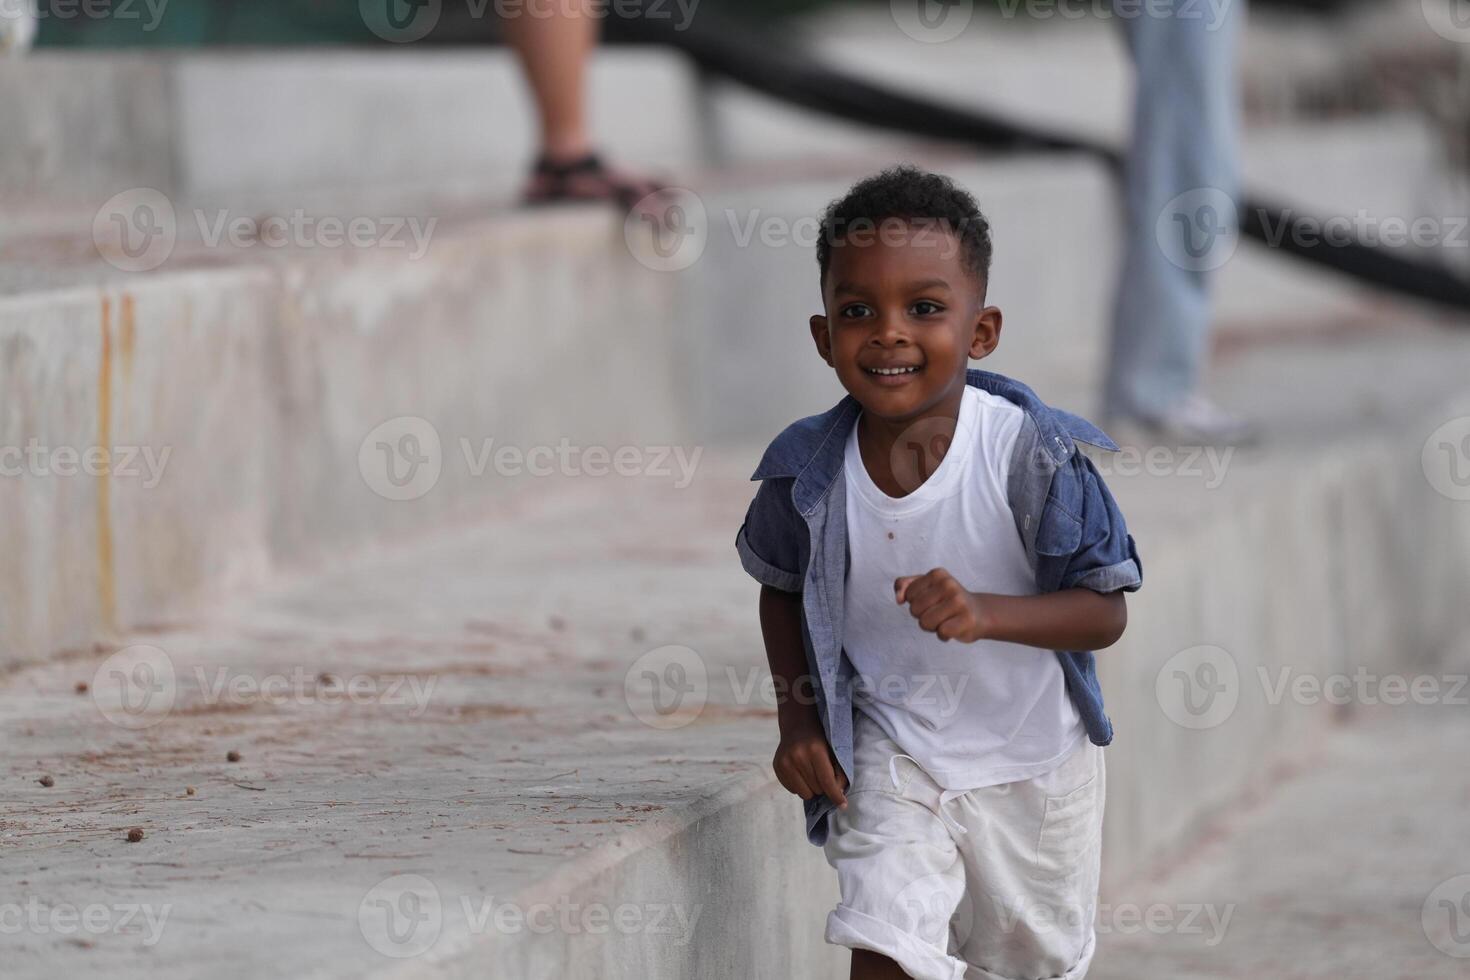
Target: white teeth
(902, 370)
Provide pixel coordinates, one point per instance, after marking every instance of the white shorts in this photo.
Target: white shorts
(998, 883)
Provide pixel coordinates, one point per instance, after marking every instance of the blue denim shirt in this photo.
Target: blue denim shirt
(795, 539)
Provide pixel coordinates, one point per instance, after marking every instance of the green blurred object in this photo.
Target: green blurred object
(197, 23)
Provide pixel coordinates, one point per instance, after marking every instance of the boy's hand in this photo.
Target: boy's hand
(806, 766)
(943, 606)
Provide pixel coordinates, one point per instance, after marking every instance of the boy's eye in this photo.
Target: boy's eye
(854, 311)
(926, 307)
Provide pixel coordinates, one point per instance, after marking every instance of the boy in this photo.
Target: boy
(936, 556)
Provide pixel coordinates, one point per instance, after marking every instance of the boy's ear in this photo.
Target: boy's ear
(821, 337)
(987, 332)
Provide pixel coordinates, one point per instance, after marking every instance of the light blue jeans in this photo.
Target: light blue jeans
(1185, 136)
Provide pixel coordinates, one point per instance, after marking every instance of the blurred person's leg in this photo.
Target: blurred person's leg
(1185, 138)
(554, 40)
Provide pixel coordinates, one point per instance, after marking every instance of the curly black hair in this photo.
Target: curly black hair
(906, 193)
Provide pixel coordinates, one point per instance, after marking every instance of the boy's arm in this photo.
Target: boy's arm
(804, 761)
(1071, 619)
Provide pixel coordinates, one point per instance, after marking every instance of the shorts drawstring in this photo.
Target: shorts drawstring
(944, 797)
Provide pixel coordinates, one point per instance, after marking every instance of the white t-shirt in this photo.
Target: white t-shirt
(972, 714)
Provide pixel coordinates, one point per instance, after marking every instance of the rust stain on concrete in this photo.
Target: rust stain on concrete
(106, 584)
(127, 338)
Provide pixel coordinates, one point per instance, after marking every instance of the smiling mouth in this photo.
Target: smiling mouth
(891, 371)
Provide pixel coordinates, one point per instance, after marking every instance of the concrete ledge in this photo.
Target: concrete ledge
(189, 123)
(238, 402)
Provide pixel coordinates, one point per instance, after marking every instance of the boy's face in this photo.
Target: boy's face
(904, 316)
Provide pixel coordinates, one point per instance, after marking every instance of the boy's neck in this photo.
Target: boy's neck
(878, 437)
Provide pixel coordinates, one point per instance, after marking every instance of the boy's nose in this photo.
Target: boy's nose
(890, 329)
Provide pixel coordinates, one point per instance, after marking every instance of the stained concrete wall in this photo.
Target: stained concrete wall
(237, 403)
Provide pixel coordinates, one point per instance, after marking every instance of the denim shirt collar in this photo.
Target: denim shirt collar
(812, 451)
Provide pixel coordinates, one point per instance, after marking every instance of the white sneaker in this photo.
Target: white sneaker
(1199, 421)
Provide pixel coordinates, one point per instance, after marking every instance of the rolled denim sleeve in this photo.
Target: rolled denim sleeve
(1105, 559)
(769, 541)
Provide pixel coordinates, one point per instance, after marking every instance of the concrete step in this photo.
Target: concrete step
(241, 396)
(1270, 893)
(312, 120)
(505, 755)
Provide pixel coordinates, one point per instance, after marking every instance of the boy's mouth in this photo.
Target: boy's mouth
(888, 371)
(894, 375)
